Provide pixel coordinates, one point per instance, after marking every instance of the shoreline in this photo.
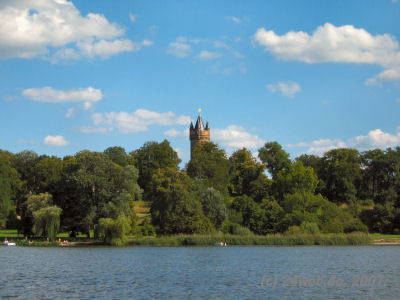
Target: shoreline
(350, 239)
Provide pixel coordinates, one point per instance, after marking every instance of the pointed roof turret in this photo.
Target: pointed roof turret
(207, 126)
(191, 125)
(199, 123)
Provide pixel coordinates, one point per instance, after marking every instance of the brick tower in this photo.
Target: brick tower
(198, 133)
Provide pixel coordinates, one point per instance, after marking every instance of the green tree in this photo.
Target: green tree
(244, 171)
(274, 157)
(295, 178)
(380, 171)
(210, 166)
(47, 221)
(94, 187)
(46, 174)
(340, 175)
(9, 184)
(214, 207)
(45, 215)
(151, 157)
(114, 231)
(118, 155)
(252, 214)
(176, 207)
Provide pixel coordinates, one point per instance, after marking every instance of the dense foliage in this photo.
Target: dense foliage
(342, 191)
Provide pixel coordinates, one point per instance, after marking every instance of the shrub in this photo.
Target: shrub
(113, 231)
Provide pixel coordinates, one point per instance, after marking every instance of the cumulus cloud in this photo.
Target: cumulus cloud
(55, 29)
(330, 43)
(55, 141)
(208, 55)
(288, 88)
(236, 137)
(374, 139)
(47, 94)
(137, 121)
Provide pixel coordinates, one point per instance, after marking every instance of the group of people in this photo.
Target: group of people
(63, 243)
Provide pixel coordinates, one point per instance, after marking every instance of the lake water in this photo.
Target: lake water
(362, 272)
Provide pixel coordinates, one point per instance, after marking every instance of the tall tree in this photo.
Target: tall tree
(91, 185)
(244, 171)
(295, 178)
(46, 174)
(214, 206)
(340, 175)
(380, 172)
(210, 166)
(176, 207)
(117, 155)
(274, 157)
(46, 216)
(151, 157)
(10, 188)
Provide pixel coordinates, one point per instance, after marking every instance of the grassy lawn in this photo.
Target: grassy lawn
(389, 238)
(11, 233)
(142, 210)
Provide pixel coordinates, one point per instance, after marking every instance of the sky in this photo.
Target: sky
(311, 75)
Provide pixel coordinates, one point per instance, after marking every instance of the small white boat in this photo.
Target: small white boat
(7, 243)
(220, 244)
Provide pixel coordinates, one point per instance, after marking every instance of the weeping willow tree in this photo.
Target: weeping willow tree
(46, 221)
(114, 231)
(45, 215)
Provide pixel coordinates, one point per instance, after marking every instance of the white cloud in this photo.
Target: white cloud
(220, 44)
(208, 55)
(288, 88)
(234, 19)
(387, 75)
(177, 133)
(329, 43)
(87, 95)
(173, 133)
(55, 29)
(70, 112)
(236, 137)
(56, 141)
(374, 139)
(184, 47)
(137, 121)
(132, 17)
(179, 49)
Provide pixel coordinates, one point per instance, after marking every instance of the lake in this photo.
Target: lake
(231, 272)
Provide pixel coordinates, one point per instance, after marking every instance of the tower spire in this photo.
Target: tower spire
(198, 133)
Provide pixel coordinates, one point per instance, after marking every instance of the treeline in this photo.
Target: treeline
(342, 191)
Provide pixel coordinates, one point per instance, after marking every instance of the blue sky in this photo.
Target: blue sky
(312, 75)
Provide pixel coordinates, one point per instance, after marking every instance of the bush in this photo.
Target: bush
(355, 226)
(113, 231)
(240, 230)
